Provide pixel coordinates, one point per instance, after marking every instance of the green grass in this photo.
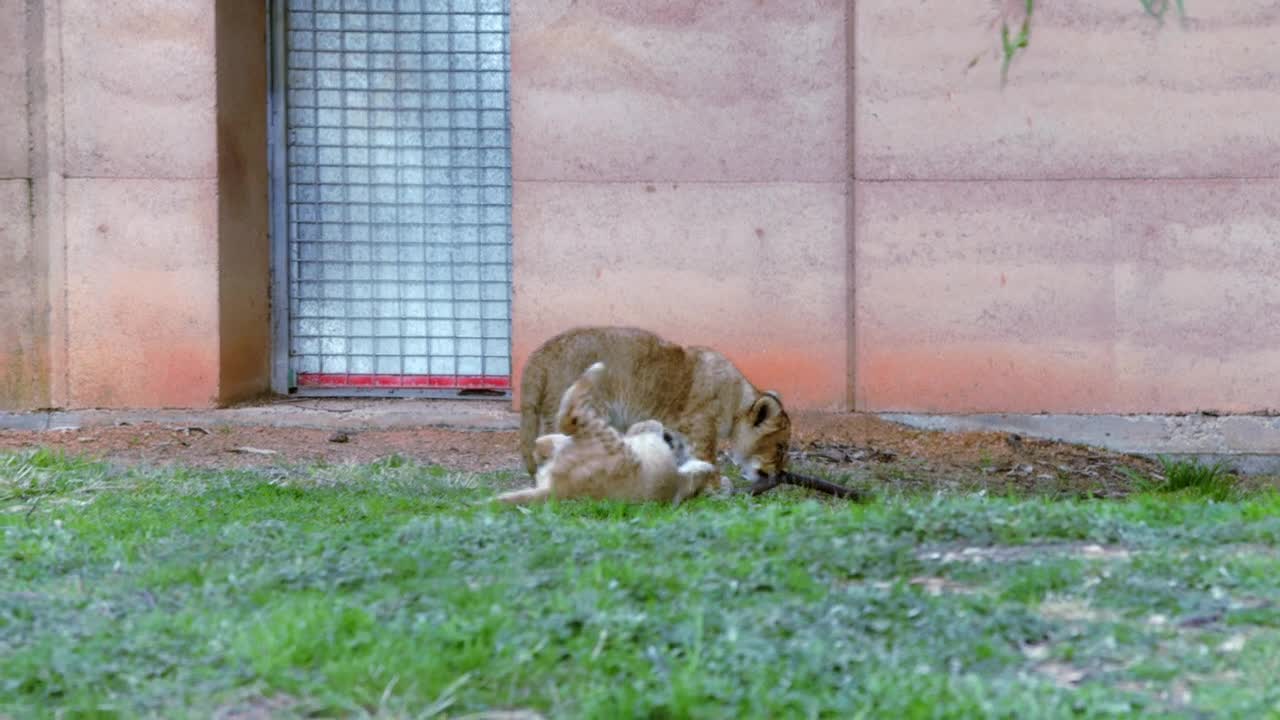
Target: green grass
(391, 590)
(1189, 479)
(1211, 481)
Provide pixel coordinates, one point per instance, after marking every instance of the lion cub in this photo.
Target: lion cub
(588, 458)
(694, 390)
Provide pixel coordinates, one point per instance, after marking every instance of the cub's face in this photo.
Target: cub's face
(761, 437)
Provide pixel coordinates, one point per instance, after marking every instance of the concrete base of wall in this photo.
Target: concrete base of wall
(1248, 443)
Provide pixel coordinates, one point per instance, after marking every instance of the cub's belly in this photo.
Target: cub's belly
(622, 415)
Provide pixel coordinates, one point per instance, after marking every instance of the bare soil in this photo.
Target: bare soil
(231, 446)
(857, 449)
(883, 454)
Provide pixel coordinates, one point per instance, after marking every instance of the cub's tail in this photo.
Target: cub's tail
(533, 389)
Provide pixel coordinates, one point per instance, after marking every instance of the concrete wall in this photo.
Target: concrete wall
(145, 251)
(141, 203)
(23, 316)
(683, 166)
(1100, 237)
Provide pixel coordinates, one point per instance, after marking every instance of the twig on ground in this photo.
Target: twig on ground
(764, 485)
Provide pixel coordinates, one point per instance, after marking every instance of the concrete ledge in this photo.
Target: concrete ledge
(311, 413)
(1249, 443)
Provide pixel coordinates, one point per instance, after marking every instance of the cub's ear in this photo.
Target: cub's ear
(766, 407)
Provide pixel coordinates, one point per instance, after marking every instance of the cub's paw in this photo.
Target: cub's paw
(547, 446)
(696, 467)
(593, 373)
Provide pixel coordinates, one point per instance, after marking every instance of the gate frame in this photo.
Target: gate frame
(278, 240)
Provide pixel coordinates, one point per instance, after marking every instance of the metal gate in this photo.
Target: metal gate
(392, 185)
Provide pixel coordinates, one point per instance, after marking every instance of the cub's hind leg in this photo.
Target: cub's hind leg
(577, 403)
(603, 461)
(545, 451)
(578, 414)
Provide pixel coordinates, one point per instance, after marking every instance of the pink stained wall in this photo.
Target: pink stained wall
(1103, 236)
(1098, 237)
(683, 167)
(146, 242)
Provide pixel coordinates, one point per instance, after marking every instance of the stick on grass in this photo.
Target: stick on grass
(764, 485)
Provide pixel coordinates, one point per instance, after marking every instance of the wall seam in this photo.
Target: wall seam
(64, 310)
(851, 208)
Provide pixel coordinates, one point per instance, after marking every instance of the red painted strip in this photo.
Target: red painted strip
(432, 382)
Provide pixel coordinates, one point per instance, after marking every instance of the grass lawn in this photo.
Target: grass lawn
(389, 590)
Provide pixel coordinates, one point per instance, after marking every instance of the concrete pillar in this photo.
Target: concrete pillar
(244, 251)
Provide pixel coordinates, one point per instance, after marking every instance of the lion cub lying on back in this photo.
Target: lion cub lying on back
(587, 458)
(695, 390)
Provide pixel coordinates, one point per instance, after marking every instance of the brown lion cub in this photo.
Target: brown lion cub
(589, 459)
(695, 391)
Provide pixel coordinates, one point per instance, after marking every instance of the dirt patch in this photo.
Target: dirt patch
(228, 446)
(853, 449)
(886, 454)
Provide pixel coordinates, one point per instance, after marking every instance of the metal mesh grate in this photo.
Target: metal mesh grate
(399, 187)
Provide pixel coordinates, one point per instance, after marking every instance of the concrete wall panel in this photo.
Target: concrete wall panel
(139, 88)
(1091, 296)
(142, 292)
(14, 133)
(727, 90)
(23, 336)
(1103, 91)
(1198, 298)
(754, 270)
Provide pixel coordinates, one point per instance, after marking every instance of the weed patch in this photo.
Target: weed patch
(1194, 478)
